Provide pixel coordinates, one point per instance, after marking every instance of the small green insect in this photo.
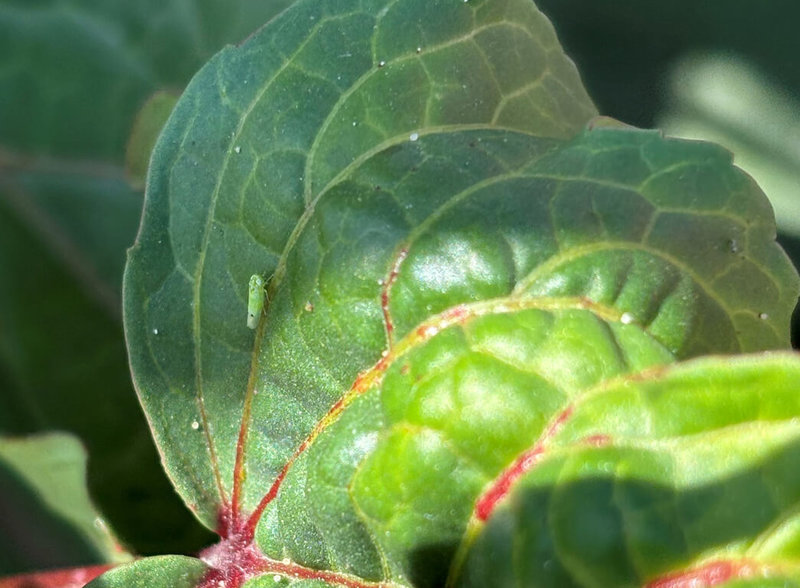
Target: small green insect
(256, 295)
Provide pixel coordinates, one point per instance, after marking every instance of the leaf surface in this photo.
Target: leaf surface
(312, 94)
(453, 260)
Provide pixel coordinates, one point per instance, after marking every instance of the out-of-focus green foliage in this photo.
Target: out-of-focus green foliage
(72, 78)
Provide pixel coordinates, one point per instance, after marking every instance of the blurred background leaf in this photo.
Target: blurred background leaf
(43, 482)
(73, 75)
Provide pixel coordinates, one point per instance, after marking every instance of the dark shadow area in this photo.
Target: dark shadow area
(34, 537)
(430, 565)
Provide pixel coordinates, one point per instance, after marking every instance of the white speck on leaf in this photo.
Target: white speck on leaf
(763, 316)
(237, 149)
(414, 136)
(195, 425)
(626, 318)
(155, 331)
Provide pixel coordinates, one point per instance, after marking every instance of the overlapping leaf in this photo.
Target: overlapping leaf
(449, 276)
(697, 480)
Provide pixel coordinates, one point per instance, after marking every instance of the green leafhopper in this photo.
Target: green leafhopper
(256, 295)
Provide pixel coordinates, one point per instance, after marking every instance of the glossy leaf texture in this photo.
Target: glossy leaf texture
(454, 260)
(314, 94)
(695, 484)
(49, 519)
(72, 77)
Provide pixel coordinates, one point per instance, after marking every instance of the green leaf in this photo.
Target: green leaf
(226, 192)
(168, 571)
(452, 263)
(697, 477)
(44, 489)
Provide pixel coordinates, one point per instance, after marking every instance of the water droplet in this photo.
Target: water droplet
(381, 63)
(763, 316)
(237, 149)
(414, 136)
(155, 331)
(626, 318)
(195, 425)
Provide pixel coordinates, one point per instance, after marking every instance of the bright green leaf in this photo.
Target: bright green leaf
(697, 475)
